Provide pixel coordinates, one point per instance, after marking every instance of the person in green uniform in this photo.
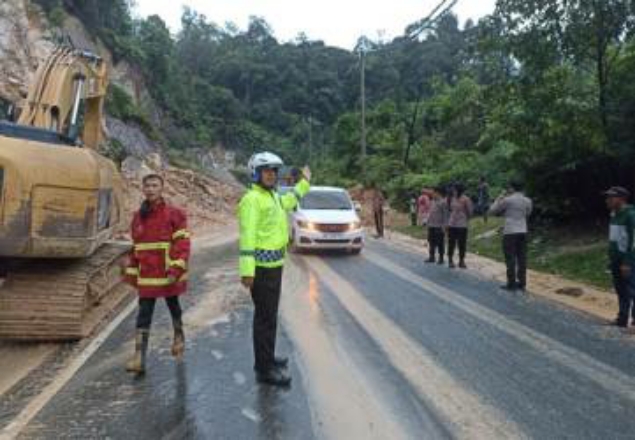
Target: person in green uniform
(264, 235)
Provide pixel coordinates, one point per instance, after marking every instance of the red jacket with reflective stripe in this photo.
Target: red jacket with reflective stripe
(161, 250)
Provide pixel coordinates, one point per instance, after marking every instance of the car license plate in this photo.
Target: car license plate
(332, 236)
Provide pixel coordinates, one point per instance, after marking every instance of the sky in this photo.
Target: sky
(337, 22)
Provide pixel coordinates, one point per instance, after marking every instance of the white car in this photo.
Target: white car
(326, 218)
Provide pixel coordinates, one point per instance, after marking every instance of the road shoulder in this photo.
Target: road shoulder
(579, 296)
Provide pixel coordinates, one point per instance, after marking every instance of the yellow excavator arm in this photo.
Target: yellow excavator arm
(67, 83)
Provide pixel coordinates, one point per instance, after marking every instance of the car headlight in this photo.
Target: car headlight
(306, 225)
(355, 226)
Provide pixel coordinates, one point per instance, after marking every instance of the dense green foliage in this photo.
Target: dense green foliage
(541, 90)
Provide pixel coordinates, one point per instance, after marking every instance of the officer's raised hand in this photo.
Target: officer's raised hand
(306, 173)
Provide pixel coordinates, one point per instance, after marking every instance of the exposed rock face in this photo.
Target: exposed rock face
(26, 40)
(135, 142)
(209, 202)
(23, 45)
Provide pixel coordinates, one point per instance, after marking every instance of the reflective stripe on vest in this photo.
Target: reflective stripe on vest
(264, 256)
(159, 282)
(152, 246)
(178, 263)
(158, 246)
(182, 233)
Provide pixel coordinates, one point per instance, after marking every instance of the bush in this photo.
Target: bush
(57, 16)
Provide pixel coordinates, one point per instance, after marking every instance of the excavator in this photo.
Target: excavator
(60, 206)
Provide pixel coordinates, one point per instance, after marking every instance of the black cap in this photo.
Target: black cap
(617, 191)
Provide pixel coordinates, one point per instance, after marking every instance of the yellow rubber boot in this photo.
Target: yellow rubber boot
(178, 344)
(138, 362)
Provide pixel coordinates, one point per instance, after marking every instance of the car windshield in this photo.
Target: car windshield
(323, 200)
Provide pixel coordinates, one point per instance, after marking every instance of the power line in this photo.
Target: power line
(413, 31)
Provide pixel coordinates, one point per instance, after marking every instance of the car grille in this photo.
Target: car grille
(332, 228)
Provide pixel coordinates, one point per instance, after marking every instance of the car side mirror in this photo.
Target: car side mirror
(357, 206)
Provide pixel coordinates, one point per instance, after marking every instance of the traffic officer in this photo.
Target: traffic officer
(264, 236)
(622, 251)
(516, 208)
(157, 266)
(437, 225)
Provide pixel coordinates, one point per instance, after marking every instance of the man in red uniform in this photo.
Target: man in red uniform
(158, 266)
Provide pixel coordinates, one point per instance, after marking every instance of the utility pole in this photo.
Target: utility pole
(363, 48)
(363, 99)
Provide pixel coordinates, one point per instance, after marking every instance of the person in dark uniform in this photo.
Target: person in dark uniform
(622, 252)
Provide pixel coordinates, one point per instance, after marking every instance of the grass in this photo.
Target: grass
(578, 254)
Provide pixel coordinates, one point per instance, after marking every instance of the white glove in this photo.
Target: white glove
(306, 172)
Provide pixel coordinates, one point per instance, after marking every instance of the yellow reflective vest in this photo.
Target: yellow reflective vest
(264, 229)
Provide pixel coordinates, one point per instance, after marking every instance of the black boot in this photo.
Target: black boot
(178, 344)
(138, 362)
(441, 260)
(281, 362)
(430, 259)
(462, 264)
(451, 264)
(274, 377)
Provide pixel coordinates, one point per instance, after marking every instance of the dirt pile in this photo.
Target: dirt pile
(209, 202)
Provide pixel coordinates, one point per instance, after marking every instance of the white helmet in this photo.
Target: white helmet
(263, 160)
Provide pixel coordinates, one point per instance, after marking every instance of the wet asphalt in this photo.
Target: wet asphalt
(551, 372)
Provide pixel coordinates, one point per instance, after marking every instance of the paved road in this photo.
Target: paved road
(382, 346)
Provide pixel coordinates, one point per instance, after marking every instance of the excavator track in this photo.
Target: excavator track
(62, 300)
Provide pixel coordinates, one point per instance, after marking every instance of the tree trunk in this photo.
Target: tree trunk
(411, 132)
(602, 46)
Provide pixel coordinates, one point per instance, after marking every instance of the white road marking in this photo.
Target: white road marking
(606, 376)
(463, 412)
(217, 355)
(13, 429)
(343, 402)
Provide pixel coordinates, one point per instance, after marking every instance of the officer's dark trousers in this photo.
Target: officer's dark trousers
(436, 242)
(515, 250)
(457, 237)
(146, 310)
(266, 297)
(625, 289)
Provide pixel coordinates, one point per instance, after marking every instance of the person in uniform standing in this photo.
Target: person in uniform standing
(157, 266)
(622, 252)
(437, 226)
(264, 235)
(378, 201)
(516, 208)
(461, 210)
